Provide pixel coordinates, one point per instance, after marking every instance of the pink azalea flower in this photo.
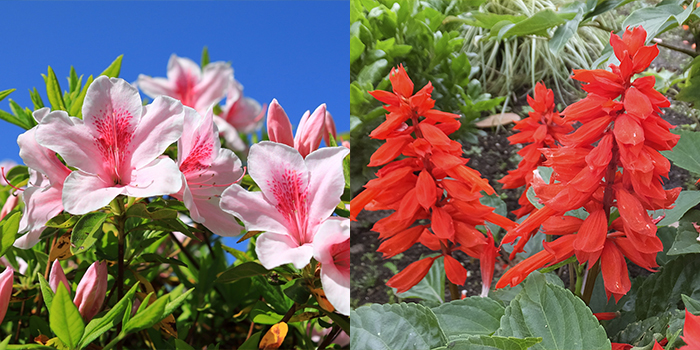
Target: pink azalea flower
(116, 148)
(189, 84)
(207, 169)
(58, 276)
(312, 128)
(239, 114)
(6, 278)
(92, 290)
(296, 196)
(332, 250)
(42, 197)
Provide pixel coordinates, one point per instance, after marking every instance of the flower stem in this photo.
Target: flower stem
(117, 206)
(590, 282)
(454, 293)
(329, 337)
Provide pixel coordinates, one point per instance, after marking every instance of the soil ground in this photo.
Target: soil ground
(493, 156)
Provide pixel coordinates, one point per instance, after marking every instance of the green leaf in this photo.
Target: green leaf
(395, 327)
(690, 89)
(36, 99)
(5, 93)
(662, 290)
(485, 342)
(263, 314)
(686, 241)
(431, 288)
(244, 270)
(469, 317)
(161, 259)
(85, 231)
(356, 48)
(252, 342)
(205, 58)
(685, 201)
(46, 291)
(654, 19)
(340, 320)
(563, 34)
(538, 23)
(99, 326)
(77, 106)
(114, 68)
(53, 90)
(177, 302)
(140, 210)
(562, 320)
(372, 73)
(14, 120)
(499, 206)
(64, 318)
(8, 230)
(692, 305)
(296, 290)
(686, 153)
(148, 317)
(63, 220)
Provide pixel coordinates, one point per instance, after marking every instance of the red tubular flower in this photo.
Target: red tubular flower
(691, 332)
(612, 160)
(431, 182)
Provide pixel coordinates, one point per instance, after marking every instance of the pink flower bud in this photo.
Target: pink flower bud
(6, 278)
(10, 204)
(310, 131)
(329, 128)
(92, 290)
(279, 128)
(58, 276)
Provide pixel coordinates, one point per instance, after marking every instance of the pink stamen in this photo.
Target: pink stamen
(2, 169)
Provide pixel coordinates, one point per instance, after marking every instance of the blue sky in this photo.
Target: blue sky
(297, 52)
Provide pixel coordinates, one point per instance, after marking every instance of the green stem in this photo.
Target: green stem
(579, 280)
(590, 282)
(114, 341)
(117, 207)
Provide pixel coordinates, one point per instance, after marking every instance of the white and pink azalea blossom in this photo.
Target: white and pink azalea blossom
(58, 276)
(42, 197)
(207, 169)
(239, 114)
(312, 128)
(6, 278)
(6, 165)
(188, 83)
(22, 264)
(92, 290)
(116, 148)
(296, 196)
(332, 250)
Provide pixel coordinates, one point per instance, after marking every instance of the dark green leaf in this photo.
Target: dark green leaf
(469, 317)
(161, 259)
(252, 342)
(685, 201)
(485, 342)
(692, 305)
(85, 233)
(64, 318)
(686, 241)
(114, 68)
(175, 303)
(395, 327)
(53, 91)
(140, 210)
(244, 270)
(686, 153)
(297, 290)
(662, 290)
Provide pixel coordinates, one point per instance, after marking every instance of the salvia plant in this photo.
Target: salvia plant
(111, 230)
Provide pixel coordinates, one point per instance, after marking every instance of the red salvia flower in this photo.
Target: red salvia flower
(431, 182)
(612, 160)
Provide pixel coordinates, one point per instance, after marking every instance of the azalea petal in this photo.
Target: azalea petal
(183, 72)
(40, 206)
(271, 164)
(253, 209)
(160, 126)
(326, 182)
(154, 87)
(279, 128)
(30, 239)
(83, 193)
(212, 86)
(275, 249)
(41, 158)
(72, 139)
(230, 134)
(215, 219)
(160, 177)
(332, 250)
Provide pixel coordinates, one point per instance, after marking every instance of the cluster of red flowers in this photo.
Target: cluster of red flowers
(541, 129)
(434, 195)
(611, 160)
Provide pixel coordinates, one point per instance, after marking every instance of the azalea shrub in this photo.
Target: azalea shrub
(594, 204)
(111, 231)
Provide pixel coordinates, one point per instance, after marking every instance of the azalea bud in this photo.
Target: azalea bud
(279, 128)
(310, 131)
(329, 128)
(10, 204)
(6, 278)
(57, 276)
(91, 290)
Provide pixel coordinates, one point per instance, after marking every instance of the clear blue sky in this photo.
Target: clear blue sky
(297, 52)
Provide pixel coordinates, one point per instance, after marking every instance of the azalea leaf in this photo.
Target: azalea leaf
(64, 318)
(297, 290)
(63, 220)
(205, 58)
(244, 270)
(53, 91)
(545, 310)
(77, 106)
(140, 210)
(8, 230)
(149, 316)
(99, 326)
(14, 120)
(114, 68)
(395, 327)
(5, 93)
(87, 231)
(468, 317)
(46, 292)
(36, 99)
(252, 342)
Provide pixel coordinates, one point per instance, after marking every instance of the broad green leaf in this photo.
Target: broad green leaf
(244, 270)
(5, 93)
(395, 327)
(654, 19)
(485, 342)
(685, 201)
(205, 58)
(297, 290)
(545, 310)
(114, 68)
(77, 106)
(161, 259)
(53, 91)
(356, 48)
(686, 154)
(9, 227)
(469, 317)
(252, 342)
(692, 305)
(373, 72)
(641, 333)
(63, 220)
(46, 291)
(662, 290)
(85, 233)
(686, 241)
(264, 314)
(148, 317)
(431, 288)
(499, 207)
(181, 345)
(690, 89)
(140, 210)
(99, 326)
(538, 23)
(65, 319)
